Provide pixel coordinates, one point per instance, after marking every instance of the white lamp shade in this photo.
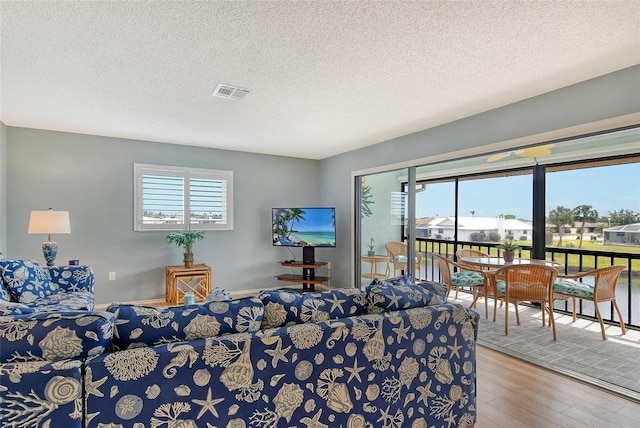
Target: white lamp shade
(49, 222)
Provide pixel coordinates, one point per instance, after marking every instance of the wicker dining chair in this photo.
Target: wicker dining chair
(456, 275)
(526, 283)
(397, 252)
(602, 290)
(468, 252)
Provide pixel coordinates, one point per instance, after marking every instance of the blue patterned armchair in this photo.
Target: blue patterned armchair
(27, 287)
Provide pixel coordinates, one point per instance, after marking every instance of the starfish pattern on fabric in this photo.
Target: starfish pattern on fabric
(386, 417)
(401, 331)
(91, 416)
(336, 303)
(394, 301)
(355, 371)
(455, 348)
(91, 387)
(315, 422)
(118, 321)
(451, 419)
(208, 405)
(425, 393)
(278, 353)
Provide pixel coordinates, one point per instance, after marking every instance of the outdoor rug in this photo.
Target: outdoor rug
(579, 352)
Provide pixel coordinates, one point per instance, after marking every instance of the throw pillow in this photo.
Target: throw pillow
(138, 326)
(26, 280)
(406, 279)
(288, 307)
(4, 293)
(383, 296)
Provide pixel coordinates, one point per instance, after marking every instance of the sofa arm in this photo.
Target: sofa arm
(52, 336)
(41, 393)
(72, 278)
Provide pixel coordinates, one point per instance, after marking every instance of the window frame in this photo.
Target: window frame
(187, 174)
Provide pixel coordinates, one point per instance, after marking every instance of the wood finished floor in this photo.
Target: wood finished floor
(512, 393)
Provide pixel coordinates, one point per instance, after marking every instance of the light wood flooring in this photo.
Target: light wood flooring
(512, 393)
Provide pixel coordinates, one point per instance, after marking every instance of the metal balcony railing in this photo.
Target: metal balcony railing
(574, 260)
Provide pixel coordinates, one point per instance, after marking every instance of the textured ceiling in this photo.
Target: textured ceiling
(327, 77)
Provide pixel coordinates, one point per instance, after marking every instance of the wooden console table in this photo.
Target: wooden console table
(181, 280)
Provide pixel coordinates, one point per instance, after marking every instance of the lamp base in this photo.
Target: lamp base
(50, 251)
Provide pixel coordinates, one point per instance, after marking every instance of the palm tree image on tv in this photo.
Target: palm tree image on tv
(298, 227)
(285, 220)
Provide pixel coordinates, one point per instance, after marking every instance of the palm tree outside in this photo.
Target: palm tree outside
(584, 213)
(560, 217)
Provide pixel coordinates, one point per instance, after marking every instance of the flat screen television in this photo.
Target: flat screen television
(304, 227)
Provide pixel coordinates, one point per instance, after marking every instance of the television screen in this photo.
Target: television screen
(304, 227)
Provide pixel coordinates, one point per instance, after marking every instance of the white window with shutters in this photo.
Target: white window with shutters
(173, 198)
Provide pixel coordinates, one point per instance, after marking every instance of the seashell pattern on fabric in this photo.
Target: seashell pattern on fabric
(288, 308)
(26, 287)
(42, 394)
(391, 358)
(137, 325)
(402, 293)
(53, 336)
(412, 368)
(27, 280)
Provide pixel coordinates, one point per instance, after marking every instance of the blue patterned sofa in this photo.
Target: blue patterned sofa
(396, 355)
(26, 287)
(42, 358)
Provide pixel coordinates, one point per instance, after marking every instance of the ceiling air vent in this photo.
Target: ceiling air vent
(230, 92)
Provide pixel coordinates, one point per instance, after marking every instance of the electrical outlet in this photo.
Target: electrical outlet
(112, 276)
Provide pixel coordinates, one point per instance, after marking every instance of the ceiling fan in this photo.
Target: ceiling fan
(530, 152)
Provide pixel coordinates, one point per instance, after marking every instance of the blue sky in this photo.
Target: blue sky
(609, 188)
(315, 220)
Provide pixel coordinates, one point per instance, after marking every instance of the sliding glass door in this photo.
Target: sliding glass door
(535, 195)
(382, 217)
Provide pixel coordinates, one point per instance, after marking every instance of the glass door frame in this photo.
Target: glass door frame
(539, 181)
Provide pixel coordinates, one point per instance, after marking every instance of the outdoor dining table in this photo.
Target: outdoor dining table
(498, 262)
(493, 263)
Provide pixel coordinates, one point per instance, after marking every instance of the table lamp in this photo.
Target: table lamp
(49, 222)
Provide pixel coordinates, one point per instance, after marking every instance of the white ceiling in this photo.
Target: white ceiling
(327, 76)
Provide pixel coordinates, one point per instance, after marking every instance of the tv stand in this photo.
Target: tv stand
(309, 279)
(308, 255)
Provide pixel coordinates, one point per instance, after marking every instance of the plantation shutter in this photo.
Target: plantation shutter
(172, 198)
(208, 197)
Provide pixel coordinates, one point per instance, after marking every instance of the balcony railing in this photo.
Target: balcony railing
(574, 260)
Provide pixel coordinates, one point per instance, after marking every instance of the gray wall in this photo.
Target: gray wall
(605, 97)
(3, 188)
(92, 178)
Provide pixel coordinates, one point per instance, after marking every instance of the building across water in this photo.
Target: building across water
(474, 228)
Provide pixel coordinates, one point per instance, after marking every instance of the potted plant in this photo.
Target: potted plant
(509, 247)
(186, 240)
(371, 245)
